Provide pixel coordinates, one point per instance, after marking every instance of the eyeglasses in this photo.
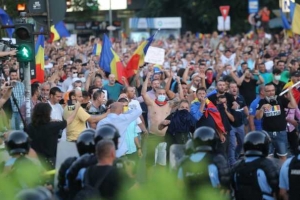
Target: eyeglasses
(75, 72)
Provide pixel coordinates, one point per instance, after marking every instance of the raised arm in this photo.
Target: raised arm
(6, 96)
(169, 92)
(144, 94)
(238, 80)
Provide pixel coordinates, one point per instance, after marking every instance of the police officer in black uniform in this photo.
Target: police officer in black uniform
(78, 167)
(85, 145)
(17, 168)
(289, 179)
(255, 176)
(204, 167)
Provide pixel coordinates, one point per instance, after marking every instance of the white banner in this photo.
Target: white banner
(155, 55)
(221, 25)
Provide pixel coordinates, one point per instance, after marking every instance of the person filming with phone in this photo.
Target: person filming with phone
(79, 122)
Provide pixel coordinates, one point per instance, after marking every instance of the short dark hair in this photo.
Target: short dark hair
(244, 63)
(73, 68)
(103, 148)
(54, 90)
(221, 97)
(72, 93)
(12, 71)
(201, 89)
(276, 71)
(97, 94)
(85, 94)
(34, 88)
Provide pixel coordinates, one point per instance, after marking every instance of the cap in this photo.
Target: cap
(76, 80)
(156, 70)
(295, 73)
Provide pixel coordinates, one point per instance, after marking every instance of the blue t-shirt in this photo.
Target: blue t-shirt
(252, 112)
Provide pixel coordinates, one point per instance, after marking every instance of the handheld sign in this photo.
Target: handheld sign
(155, 55)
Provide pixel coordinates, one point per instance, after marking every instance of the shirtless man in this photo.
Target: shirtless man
(158, 110)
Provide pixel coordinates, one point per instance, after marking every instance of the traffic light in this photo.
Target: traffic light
(25, 41)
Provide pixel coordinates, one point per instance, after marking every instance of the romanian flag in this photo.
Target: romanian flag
(199, 35)
(295, 91)
(110, 61)
(212, 110)
(58, 31)
(39, 59)
(97, 49)
(295, 21)
(137, 59)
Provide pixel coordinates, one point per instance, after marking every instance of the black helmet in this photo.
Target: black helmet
(107, 131)
(85, 142)
(204, 139)
(17, 142)
(256, 143)
(189, 147)
(39, 193)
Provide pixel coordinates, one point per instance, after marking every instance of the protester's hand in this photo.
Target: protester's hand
(202, 99)
(222, 138)
(178, 79)
(12, 52)
(123, 79)
(202, 75)
(77, 105)
(166, 122)
(235, 105)
(140, 153)
(149, 74)
(266, 107)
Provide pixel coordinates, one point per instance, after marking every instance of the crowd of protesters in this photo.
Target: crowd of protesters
(231, 84)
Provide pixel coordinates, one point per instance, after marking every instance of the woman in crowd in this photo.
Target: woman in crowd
(44, 132)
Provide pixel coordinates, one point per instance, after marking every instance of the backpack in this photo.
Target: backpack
(89, 192)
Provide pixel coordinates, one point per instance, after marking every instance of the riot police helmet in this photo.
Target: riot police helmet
(189, 147)
(204, 139)
(85, 142)
(39, 193)
(109, 132)
(256, 143)
(18, 142)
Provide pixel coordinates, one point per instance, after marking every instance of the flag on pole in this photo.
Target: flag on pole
(137, 59)
(97, 49)
(110, 61)
(6, 20)
(39, 58)
(58, 31)
(285, 22)
(295, 22)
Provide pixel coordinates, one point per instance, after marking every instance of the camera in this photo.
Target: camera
(7, 45)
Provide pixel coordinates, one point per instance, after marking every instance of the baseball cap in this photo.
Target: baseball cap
(156, 70)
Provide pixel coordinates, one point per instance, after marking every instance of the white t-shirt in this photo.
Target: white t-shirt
(57, 111)
(269, 66)
(228, 61)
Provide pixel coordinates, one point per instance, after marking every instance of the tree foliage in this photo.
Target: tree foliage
(201, 15)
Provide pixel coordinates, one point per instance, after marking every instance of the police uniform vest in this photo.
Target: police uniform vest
(294, 179)
(83, 161)
(196, 174)
(247, 187)
(62, 181)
